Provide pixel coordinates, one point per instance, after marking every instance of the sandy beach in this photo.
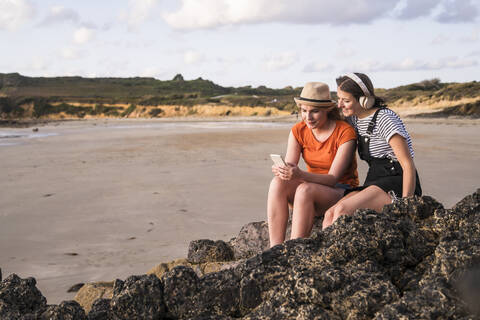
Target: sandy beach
(95, 200)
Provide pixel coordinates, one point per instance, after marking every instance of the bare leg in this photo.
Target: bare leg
(372, 197)
(311, 199)
(329, 214)
(279, 194)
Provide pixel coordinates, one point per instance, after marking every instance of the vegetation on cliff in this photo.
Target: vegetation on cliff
(78, 97)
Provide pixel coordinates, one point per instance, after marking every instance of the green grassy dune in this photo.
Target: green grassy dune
(77, 97)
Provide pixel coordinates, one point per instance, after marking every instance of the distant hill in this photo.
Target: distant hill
(138, 90)
(432, 98)
(78, 97)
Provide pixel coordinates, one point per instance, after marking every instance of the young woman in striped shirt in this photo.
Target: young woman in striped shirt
(383, 142)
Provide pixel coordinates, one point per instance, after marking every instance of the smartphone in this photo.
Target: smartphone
(278, 160)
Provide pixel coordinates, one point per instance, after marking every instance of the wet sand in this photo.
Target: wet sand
(103, 199)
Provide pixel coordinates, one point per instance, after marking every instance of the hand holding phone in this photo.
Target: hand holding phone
(278, 160)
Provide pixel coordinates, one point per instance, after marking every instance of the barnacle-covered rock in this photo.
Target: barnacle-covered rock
(413, 260)
(138, 297)
(67, 310)
(100, 310)
(20, 298)
(187, 296)
(204, 250)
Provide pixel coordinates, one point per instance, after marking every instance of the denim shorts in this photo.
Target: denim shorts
(343, 186)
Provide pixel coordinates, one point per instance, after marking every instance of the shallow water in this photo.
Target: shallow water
(12, 137)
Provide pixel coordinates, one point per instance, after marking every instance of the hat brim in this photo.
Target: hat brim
(328, 104)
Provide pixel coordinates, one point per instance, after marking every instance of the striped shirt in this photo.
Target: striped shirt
(388, 123)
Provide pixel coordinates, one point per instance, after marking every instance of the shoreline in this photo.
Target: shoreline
(406, 117)
(27, 123)
(11, 124)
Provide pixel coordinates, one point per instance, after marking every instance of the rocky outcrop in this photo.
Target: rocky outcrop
(200, 269)
(138, 297)
(253, 238)
(91, 292)
(415, 260)
(67, 310)
(20, 298)
(205, 250)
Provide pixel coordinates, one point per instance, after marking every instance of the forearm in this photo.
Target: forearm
(408, 187)
(341, 162)
(325, 179)
(402, 152)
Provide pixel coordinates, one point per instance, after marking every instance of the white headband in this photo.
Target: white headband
(360, 83)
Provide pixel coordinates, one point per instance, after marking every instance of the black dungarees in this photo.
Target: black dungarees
(385, 173)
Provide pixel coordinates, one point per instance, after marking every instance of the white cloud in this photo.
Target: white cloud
(193, 57)
(318, 67)
(409, 64)
(70, 53)
(59, 14)
(445, 63)
(345, 52)
(231, 60)
(138, 12)
(83, 35)
(363, 66)
(153, 72)
(410, 9)
(38, 64)
(474, 53)
(443, 11)
(224, 64)
(464, 38)
(115, 66)
(457, 63)
(457, 11)
(440, 39)
(194, 14)
(198, 14)
(472, 37)
(14, 13)
(279, 61)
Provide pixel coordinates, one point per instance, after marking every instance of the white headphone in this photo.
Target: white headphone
(368, 100)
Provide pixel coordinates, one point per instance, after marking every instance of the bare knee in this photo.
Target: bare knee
(305, 191)
(277, 186)
(329, 213)
(333, 213)
(328, 217)
(340, 209)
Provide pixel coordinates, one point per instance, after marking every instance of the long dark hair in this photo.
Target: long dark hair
(346, 84)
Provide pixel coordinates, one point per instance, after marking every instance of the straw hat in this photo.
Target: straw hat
(315, 94)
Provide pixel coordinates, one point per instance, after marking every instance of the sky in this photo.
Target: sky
(275, 43)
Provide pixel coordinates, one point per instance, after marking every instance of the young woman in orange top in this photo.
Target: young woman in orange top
(327, 145)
